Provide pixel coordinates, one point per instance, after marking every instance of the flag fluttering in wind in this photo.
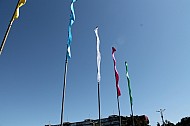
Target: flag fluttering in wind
(68, 55)
(21, 3)
(72, 19)
(14, 16)
(130, 94)
(98, 54)
(128, 80)
(116, 73)
(98, 70)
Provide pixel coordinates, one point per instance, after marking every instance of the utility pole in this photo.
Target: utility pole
(161, 113)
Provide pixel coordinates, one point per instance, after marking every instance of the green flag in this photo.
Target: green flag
(128, 80)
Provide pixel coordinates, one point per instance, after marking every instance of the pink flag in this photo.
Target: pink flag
(116, 73)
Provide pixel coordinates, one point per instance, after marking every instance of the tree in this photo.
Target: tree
(184, 122)
(158, 124)
(168, 123)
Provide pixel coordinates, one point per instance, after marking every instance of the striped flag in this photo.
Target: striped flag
(116, 73)
(21, 3)
(72, 19)
(128, 80)
(98, 54)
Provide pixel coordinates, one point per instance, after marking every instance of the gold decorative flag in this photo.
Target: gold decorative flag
(21, 3)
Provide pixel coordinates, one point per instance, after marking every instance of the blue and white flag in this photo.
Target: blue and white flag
(72, 19)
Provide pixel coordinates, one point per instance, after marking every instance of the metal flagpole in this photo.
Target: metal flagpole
(130, 97)
(98, 70)
(133, 123)
(99, 103)
(117, 85)
(64, 90)
(119, 110)
(68, 55)
(8, 29)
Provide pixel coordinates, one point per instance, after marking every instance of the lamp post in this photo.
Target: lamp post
(161, 113)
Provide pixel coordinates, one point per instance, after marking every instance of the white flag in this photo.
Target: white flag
(98, 54)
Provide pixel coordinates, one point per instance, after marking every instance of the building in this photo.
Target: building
(112, 120)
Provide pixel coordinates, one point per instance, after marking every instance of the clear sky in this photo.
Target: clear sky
(151, 35)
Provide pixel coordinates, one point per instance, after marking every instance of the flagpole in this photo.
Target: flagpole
(118, 105)
(8, 29)
(98, 70)
(130, 96)
(133, 123)
(64, 90)
(117, 85)
(99, 103)
(68, 55)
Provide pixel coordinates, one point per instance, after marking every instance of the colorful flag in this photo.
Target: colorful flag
(98, 54)
(116, 73)
(128, 80)
(21, 3)
(72, 19)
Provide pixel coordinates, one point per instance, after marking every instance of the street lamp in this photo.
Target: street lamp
(161, 113)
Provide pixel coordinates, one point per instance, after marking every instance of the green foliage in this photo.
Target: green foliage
(158, 124)
(168, 123)
(139, 121)
(184, 122)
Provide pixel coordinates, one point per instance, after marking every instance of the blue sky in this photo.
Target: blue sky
(152, 36)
